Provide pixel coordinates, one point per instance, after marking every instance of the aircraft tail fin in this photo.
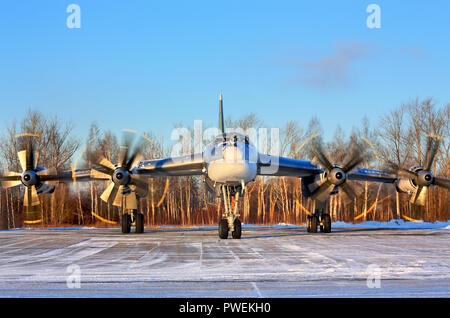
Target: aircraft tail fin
(221, 122)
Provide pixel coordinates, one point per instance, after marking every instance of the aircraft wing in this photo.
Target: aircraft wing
(269, 165)
(187, 165)
(373, 175)
(68, 175)
(286, 167)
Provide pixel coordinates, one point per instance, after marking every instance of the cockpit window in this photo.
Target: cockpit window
(231, 138)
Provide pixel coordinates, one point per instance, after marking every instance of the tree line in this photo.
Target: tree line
(399, 136)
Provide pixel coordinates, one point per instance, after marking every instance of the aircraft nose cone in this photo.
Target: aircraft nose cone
(232, 166)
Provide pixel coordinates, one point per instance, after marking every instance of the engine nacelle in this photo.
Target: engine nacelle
(45, 188)
(311, 184)
(404, 185)
(409, 185)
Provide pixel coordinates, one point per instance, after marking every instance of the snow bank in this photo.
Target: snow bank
(394, 224)
(52, 228)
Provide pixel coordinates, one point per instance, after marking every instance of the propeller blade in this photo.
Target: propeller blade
(98, 175)
(394, 168)
(432, 149)
(355, 160)
(348, 190)
(110, 193)
(11, 179)
(118, 200)
(31, 197)
(428, 150)
(127, 140)
(10, 176)
(27, 199)
(407, 173)
(134, 161)
(323, 192)
(10, 184)
(321, 157)
(22, 159)
(419, 195)
(139, 182)
(139, 185)
(442, 182)
(141, 191)
(30, 155)
(35, 160)
(107, 165)
(130, 156)
(123, 154)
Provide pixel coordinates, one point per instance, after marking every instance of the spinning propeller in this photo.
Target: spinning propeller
(334, 175)
(123, 184)
(34, 179)
(421, 177)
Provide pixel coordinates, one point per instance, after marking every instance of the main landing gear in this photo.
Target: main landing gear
(318, 219)
(229, 221)
(132, 218)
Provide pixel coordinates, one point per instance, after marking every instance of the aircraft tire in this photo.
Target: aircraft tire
(126, 223)
(139, 223)
(326, 220)
(223, 229)
(313, 224)
(236, 234)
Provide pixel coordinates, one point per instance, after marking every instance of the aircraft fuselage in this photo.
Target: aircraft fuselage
(231, 160)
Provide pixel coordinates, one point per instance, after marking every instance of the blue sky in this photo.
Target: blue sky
(147, 65)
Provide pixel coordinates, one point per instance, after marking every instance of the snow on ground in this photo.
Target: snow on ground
(392, 224)
(269, 261)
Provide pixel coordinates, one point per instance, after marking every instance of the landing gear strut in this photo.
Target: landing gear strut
(229, 221)
(132, 218)
(319, 218)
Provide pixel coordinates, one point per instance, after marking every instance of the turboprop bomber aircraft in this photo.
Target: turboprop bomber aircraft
(231, 162)
(227, 165)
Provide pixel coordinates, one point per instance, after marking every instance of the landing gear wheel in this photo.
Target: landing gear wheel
(126, 223)
(311, 224)
(236, 234)
(223, 229)
(139, 223)
(326, 224)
